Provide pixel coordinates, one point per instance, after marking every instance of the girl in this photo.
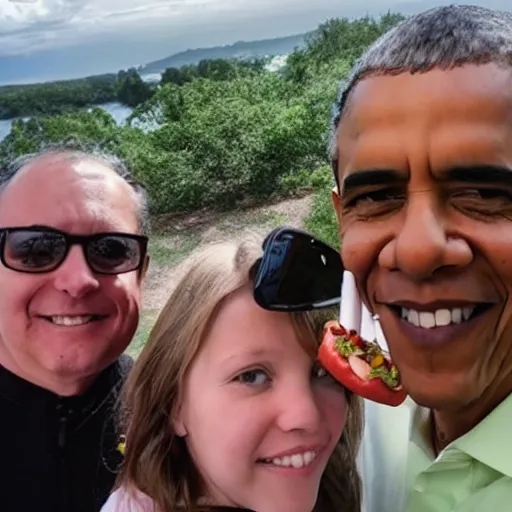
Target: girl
(226, 408)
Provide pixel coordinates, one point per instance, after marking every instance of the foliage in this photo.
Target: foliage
(322, 221)
(56, 97)
(131, 89)
(222, 132)
(214, 69)
(96, 127)
(219, 142)
(347, 39)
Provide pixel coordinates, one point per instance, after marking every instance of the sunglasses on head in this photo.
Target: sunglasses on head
(39, 249)
(297, 272)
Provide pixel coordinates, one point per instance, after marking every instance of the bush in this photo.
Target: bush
(322, 221)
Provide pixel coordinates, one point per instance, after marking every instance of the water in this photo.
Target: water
(118, 111)
(5, 128)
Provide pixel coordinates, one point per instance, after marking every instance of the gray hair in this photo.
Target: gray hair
(77, 150)
(440, 38)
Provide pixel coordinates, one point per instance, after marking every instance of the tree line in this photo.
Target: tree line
(126, 87)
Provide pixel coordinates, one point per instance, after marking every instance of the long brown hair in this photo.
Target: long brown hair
(157, 461)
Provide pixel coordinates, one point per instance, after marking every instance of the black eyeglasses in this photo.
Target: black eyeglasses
(297, 272)
(39, 249)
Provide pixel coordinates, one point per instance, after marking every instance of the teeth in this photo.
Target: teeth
(297, 460)
(444, 317)
(438, 318)
(427, 320)
(413, 317)
(71, 320)
(308, 458)
(466, 313)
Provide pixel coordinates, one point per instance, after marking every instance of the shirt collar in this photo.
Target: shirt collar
(485, 442)
(488, 441)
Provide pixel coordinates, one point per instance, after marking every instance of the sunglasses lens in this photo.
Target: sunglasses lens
(298, 272)
(114, 254)
(33, 251)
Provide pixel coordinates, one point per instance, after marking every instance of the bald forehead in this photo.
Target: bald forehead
(62, 164)
(90, 174)
(66, 183)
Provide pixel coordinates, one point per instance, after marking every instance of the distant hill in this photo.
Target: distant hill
(238, 50)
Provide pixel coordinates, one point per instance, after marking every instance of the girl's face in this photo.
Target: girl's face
(260, 418)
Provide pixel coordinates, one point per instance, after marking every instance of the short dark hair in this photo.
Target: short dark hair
(77, 150)
(440, 38)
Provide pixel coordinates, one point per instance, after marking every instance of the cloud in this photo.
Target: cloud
(16, 13)
(32, 26)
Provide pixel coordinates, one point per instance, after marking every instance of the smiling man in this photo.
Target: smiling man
(73, 255)
(422, 151)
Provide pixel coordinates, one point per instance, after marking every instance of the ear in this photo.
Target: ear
(178, 425)
(179, 428)
(335, 198)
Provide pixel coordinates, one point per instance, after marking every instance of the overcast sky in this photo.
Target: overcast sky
(105, 35)
(28, 25)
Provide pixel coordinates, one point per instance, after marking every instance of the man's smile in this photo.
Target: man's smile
(73, 320)
(439, 313)
(436, 323)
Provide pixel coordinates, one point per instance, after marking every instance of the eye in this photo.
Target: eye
(483, 193)
(486, 203)
(255, 377)
(376, 200)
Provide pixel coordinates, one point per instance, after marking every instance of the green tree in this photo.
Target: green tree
(132, 90)
(96, 128)
(56, 97)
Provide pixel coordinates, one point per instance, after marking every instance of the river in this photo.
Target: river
(119, 112)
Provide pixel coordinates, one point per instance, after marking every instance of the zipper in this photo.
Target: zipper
(63, 430)
(63, 415)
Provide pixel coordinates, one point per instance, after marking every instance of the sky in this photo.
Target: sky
(117, 34)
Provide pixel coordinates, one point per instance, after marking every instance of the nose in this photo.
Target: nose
(299, 410)
(74, 275)
(426, 241)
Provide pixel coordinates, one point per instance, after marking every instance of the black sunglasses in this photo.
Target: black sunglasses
(297, 272)
(39, 249)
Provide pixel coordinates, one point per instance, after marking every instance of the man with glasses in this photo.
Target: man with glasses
(73, 239)
(422, 153)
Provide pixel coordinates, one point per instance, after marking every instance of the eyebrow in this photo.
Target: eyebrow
(372, 177)
(254, 353)
(484, 174)
(481, 173)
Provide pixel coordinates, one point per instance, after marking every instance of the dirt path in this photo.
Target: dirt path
(176, 238)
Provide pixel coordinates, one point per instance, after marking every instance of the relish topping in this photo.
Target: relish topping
(372, 354)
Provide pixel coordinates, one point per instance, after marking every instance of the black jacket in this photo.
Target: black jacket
(58, 454)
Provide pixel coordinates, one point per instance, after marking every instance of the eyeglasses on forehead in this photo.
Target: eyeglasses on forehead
(297, 272)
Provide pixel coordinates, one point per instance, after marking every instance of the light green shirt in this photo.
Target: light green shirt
(401, 474)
